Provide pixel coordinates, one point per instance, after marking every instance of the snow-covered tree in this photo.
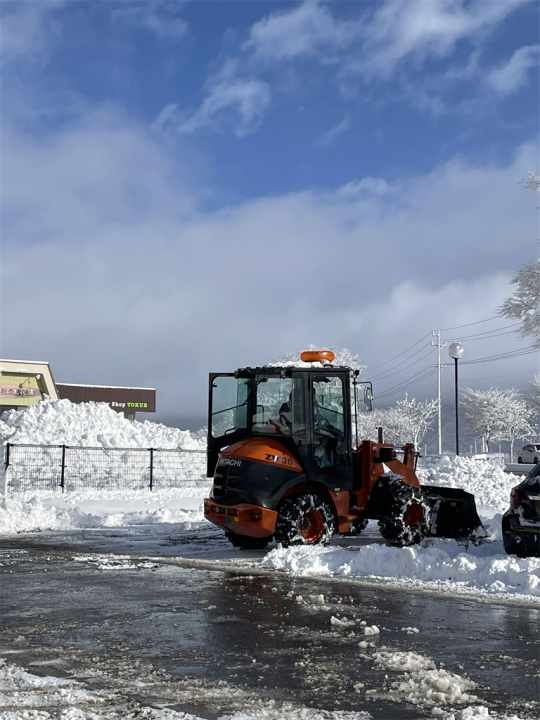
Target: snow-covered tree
(496, 414)
(516, 420)
(417, 418)
(532, 182)
(482, 410)
(407, 421)
(368, 424)
(524, 304)
(534, 394)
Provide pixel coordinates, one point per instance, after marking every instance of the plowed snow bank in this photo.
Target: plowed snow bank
(61, 422)
(485, 568)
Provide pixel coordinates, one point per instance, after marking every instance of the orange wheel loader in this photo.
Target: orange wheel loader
(286, 466)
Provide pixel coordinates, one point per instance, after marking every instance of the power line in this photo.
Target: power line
(426, 387)
(457, 327)
(401, 353)
(406, 383)
(472, 338)
(502, 356)
(387, 373)
(496, 377)
(490, 333)
(399, 389)
(409, 382)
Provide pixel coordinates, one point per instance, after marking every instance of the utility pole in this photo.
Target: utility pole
(438, 345)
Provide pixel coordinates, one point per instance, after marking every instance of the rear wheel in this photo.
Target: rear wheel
(512, 547)
(304, 520)
(246, 542)
(536, 461)
(405, 521)
(358, 525)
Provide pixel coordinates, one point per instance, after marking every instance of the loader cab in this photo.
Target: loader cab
(306, 409)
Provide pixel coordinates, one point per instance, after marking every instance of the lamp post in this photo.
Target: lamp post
(456, 351)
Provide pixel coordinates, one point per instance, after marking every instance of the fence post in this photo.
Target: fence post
(62, 476)
(151, 468)
(5, 471)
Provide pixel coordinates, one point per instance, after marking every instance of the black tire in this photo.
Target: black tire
(512, 546)
(246, 542)
(304, 520)
(359, 525)
(406, 520)
(520, 460)
(536, 461)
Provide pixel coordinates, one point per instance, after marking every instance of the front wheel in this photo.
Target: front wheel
(304, 520)
(406, 519)
(536, 461)
(520, 460)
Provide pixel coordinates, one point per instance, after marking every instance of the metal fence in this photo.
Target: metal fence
(51, 467)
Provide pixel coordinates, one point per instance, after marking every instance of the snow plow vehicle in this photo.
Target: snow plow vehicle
(286, 466)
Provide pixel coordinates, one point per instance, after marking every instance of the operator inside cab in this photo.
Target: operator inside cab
(285, 414)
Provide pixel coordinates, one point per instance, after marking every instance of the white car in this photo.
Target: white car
(529, 454)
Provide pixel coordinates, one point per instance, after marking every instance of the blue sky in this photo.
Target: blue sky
(255, 176)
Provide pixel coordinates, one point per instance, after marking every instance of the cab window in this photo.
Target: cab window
(273, 406)
(229, 405)
(328, 400)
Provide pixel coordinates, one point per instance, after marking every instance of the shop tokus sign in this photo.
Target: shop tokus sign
(139, 405)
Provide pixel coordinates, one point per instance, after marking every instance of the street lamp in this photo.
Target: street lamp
(455, 351)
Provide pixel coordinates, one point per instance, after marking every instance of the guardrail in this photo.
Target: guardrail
(51, 467)
(518, 468)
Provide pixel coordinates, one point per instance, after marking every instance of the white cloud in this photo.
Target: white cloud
(510, 76)
(305, 30)
(398, 36)
(402, 29)
(158, 18)
(375, 42)
(235, 102)
(329, 137)
(112, 275)
(356, 189)
(27, 29)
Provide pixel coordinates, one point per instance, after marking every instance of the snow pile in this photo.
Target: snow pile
(61, 422)
(422, 683)
(31, 512)
(485, 568)
(489, 484)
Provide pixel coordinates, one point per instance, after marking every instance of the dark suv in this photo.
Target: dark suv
(521, 523)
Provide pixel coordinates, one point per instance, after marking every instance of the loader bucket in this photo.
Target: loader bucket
(452, 513)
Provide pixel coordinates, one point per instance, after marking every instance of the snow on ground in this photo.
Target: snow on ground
(52, 510)
(26, 696)
(61, 422)
(437, 563)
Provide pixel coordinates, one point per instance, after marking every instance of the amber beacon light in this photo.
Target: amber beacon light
(322, 356)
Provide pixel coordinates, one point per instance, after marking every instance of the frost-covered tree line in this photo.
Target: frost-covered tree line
(502, 415)
(407, 421)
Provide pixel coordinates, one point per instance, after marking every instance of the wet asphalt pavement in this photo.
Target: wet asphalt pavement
(208, 642)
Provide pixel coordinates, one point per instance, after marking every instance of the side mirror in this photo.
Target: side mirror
(368, 398)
